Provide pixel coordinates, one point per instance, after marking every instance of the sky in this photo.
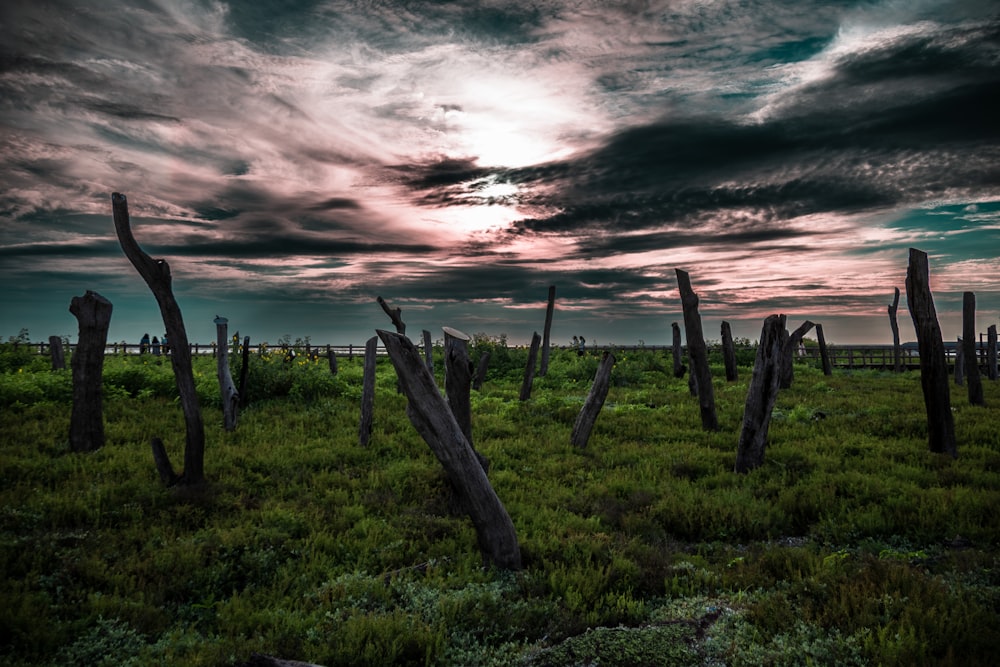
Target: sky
(292, 160)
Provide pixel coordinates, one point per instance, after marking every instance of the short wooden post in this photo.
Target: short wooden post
(679, 368)
(991, 352)
(331, 358)
(428, 351)
(697, 352)
(729, 353)
(933, 366)
(959, 363)
(227, 389)
(595, 401)
(529, 369)
(430, 415)
(823, 353)
(484, 364)
(56, 353)
(897, 354)
(368, 392)
(546, 333)
(86, 426)
(761, 396)
(968, 349)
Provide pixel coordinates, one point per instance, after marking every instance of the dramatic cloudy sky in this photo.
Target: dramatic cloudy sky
(294, 159)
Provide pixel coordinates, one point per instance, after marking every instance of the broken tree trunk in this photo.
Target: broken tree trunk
(897, 353)
(933, 365)
(991, 352)
(823, 354)
(86, 426)
(697, 352)
(432, 418)
(227, 389)
(428, 351)
(156, 273)
(368, 392)
(458, 384)
(244, 371)
(679, 368)
(544, 368)
(529, 369)
(395, 314)
(595, 401)
(56, 353)
(729, 353)
(761, 395)
(789, 351)
(484, 363)
(968, 349)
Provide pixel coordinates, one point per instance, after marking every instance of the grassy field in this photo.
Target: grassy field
(852, 545)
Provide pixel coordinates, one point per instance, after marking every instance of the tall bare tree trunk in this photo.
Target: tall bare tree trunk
(729, 353)
(761, 395)
(368, 392)
(227, 389)
(86, 426)
(595, 401)
(823, 353)
(697, 352)
(432, 418)
(969, 349)
(897, 353)
(933, 366)
(529, 369)
(546, 333)
(156, 273)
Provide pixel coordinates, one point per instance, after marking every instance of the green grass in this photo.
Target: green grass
(853, 544)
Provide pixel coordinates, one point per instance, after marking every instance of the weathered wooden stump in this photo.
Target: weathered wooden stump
(331, 358)
(86, 426)
(430, 415)
(959, 363)
(227, 388)
(968, 350)
(484, 364)
(368, 392)
(697, 352)
(458, 384)
(761, 395)
(933, 365)
(428, 351)
(529, 369)
(56, 353)
(595, 401)
(156, 273)
(678, 352)
(823, 353)
(729, 353)
(991, 352)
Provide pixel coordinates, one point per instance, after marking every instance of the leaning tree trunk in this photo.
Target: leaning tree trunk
(458, 384)
(991, 352)
(368, 392)
(546, 333)
(679, 368)
(595, 401)
(897, 353)
(697, 352)
(432, 418)
(86, 425)
(56, 353)
(227, 389)
(823, 353)
(763, 392)
(728, 353)
(968, 350)
(788, 353)
(933, 366)
(156, 273)
(529, 370)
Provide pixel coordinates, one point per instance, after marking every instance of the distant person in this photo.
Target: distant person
(576, 343)
(144, 344)
(581, 350)
(166, 347)
(156, 346)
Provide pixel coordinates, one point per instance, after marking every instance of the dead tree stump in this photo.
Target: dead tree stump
(968, 349)
(897, 352)
(368, 392)
(546, 333)
(430, 415)
(458, 384)
(697, 352)
(484, 364)
(761, 395)
(729, 353)
(823, 353)
(595, 401)
(156, 273)
(991, 352)
(679, 368)
(959, 363)
(56, 353)
(791, 344)
(933, 365)
(86, 426)
(331, 358)
(227, 388)
(529, 369)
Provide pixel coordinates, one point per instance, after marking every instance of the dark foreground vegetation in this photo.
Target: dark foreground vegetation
(852, 545)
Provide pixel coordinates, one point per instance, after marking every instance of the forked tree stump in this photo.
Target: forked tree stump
(697, 352)
(595, 401)
(968, 350)
(430, 415)
(761, 396)
(933, 365)
(86, 426)
(156, 273)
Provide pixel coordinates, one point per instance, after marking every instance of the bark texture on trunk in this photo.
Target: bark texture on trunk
(595, 401)
(86, 426)
(697, 352)
(368, 392)
(729, 353)
(968, 350)
(761, 395)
